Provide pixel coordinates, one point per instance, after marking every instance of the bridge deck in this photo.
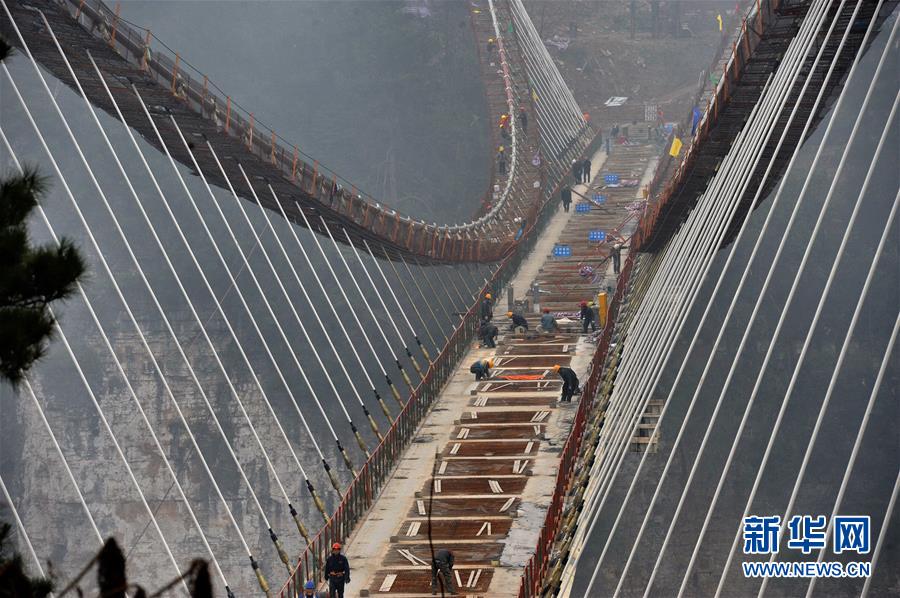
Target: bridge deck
(492, 447)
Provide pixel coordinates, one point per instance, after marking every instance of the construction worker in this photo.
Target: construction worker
(491, 45)
(548, 322)
(616, 254)
(586, 171)
(337, 572)
(517, 321)
(587, 318)
(523, 120)
(309, 588)
(482, 369)
(443, 563)
(570, 383)
(488, 334)
(576, 171)
(566, 196)
(501, 160)
(487, 307)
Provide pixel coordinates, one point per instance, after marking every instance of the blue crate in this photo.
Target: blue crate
(597, 235)
(611, 179)
(562, 251)
(582, 208)
(598, 198)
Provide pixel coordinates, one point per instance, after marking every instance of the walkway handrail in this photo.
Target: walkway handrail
(143, 49)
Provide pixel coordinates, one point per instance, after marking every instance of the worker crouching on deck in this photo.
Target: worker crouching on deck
(482, 369)
(337, 571)
(548, 322)
(518, 322)
(570, 383)
(442, 563)
(587, 318)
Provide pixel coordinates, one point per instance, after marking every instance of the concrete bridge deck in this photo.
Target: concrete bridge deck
(492, 447)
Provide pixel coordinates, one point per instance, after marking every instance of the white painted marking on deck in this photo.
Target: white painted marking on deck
(463, 434)
(413, 529)
(540, 416)
(387, 583)
(495, 487)
(529, 446)
(485, 529)
(477, 577)
(537, 430)
(471, 578)
(459, 582)
(481, 402)
(421, 505)
(455, 448)
(473, 414)
(507, 504)
(516, 466)
(437, 486)
(442, 468)
(487, 386)
(521, 468)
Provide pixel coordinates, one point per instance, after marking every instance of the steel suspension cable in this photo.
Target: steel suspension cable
(174, 272)
(220, 310)
(426, 302)
(331, 306)
(144, 342)
(122, 235)
(262, 294)
(716, 410)
(65, 461)
(857, 443)
(410, 299)
(399, 309)
(454, 323)
(131, 391)
(21, 526)
(359, 290)
(315, 312)
(352, 311)
(365, 270)
(879, 543)
(835, 110)
(606, 494)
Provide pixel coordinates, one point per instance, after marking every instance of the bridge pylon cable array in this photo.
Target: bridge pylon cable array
(139, 270)
(301, 528)
(144, 343)
(131, 392)
(220, 310)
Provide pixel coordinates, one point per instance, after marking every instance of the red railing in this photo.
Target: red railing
(537, 566)
(752, 26)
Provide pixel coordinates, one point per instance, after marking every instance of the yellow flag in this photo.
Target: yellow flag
(719, 19)
(676, 147)
(534, 96)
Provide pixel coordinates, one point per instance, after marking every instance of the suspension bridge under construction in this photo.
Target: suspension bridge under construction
(266, 360)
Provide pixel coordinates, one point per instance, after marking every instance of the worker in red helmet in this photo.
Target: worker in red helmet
(337, 572)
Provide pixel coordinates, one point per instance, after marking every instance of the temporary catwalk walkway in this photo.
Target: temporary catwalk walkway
(492, 448)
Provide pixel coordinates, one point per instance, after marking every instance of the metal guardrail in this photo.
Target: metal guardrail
(473, 240)
(533, 576)
(759, 15)
(374, 474)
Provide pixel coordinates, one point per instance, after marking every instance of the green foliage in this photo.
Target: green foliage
(31, 277)
(13, 580)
